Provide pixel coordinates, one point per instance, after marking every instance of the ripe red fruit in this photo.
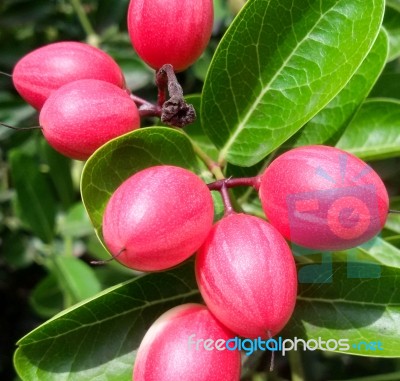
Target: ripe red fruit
(170, 32)
(324, 198)
(166, 352)
(247, 276)
(40, 72)
(160, 216)
(83, 115)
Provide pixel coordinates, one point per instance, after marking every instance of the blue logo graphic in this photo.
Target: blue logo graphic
(338, 213)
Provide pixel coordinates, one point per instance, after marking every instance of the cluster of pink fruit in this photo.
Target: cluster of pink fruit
(245, 269)
(318, 197)
(80, 90)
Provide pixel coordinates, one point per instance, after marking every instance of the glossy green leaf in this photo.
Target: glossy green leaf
(361, 311)
(277, 66)
(120, 158)
(327, 126)
(374, 131)
(391, 22)
(34, 194)
(98, 339)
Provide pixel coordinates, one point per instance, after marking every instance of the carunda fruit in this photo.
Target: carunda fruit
(40, 72)
(170, 32)
(247, 276)
(82, 115)
(323, 198)
(158, 218)
(166, 352)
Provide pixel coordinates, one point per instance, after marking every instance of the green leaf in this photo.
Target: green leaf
(393, 4)
(47, 298)
(98, 339)
(196, 131)
(122, 157)
(327, 126)
(373, 133)
(358, 310)
(137, 74)
(34, 194)
(59, 168)
(75, 223)
(387, 86)
(76, 279)
(393, 221)
(395, 376)
(277, 66)
(391, 22)
(370, 255)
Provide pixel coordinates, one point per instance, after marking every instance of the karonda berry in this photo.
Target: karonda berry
(158, 218)
(169, 350)
(83, 115)
(170, 32)
(40, 72)
(247, 276)
(324, 198)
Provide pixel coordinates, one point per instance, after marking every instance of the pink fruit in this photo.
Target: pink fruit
(83, 115)
(247, 276)
(324, 198)
(170, 32)
(160, 216)
(40, 72)
(168, 352)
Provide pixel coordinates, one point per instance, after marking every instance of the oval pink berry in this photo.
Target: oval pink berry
(40, 72)
(160, 216)
(324, 198)
(83, 115)
(170, 32)
(247, 276)
(170, 350)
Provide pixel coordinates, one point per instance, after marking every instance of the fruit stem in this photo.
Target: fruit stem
(394, 211)
(146, 108)
(174, 111)
(20, 128)
(235, 182)
(223, 185)
(104, 262)
(6, 74)
(91, 36)
(212, 165)
(226, 200)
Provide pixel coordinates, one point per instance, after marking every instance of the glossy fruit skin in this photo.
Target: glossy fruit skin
(324, 198)
(40, 72)
(83, 115)
(247, 276)
(164, 353)
(160, 215)
(170, 32)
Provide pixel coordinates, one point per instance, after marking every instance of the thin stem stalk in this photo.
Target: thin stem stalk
(91, 36)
